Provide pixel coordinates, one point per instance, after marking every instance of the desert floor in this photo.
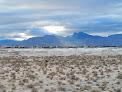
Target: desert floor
(61, 70)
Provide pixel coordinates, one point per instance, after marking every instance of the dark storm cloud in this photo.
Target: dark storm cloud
(37, 32)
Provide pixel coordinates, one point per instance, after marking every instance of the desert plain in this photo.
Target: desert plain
(61, 70)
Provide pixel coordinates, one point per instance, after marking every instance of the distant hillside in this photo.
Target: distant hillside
(8, 42)
(77, 39)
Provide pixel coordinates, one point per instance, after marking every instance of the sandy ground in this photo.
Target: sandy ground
(61, 70)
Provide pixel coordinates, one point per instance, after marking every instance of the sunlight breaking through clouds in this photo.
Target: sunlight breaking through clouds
(54, 29)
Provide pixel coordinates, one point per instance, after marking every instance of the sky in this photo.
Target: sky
(24, 19)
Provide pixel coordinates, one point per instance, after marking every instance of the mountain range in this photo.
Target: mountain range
(77, 39)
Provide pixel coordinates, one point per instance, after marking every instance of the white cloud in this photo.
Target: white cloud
(59, 16)
(105, 34)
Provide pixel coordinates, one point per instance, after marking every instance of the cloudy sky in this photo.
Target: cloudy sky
(23, 19)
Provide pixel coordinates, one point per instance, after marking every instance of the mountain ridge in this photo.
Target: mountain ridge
(77, 39)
